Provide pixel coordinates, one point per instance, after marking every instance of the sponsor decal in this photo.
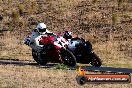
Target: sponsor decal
(85, 77)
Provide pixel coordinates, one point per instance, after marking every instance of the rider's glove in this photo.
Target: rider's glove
(27, 42)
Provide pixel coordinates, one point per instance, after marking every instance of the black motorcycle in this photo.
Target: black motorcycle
(83, 52)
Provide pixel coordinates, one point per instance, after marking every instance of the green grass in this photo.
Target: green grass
(61, 66)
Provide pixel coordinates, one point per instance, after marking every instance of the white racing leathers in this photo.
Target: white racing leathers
(33, 41)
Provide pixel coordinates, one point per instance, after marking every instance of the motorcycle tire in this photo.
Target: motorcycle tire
(38, 58)
(68, 58)
(82, 54)
(89, 45)
(95, 60)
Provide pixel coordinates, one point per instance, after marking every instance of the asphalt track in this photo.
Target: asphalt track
(52, 65)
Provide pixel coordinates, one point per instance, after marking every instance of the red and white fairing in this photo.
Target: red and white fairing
(56, 40)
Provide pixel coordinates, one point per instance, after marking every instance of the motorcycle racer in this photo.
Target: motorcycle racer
(42, 31)
(74, 41)
(37, 33)
(67, 35)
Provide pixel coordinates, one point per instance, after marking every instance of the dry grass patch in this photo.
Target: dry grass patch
(110, 54)
(35, 77)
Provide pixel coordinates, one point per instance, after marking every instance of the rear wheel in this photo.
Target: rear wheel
(95, 60)
(82, 54)
(38, 57)
(68, 58)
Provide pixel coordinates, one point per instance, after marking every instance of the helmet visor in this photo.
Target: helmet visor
(42, 30)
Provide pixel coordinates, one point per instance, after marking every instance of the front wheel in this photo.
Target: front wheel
(67, 57)
(39, 58)
(95, 60)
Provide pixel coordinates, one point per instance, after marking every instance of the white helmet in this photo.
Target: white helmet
(41, 27)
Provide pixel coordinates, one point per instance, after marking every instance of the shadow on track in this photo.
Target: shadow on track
(53, 65)
(25, 63)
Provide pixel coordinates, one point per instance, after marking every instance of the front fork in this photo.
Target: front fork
(60, 58)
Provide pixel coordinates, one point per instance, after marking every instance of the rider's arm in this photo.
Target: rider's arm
(50, 33)
(33, 36)
(47, 31)
(29, 38)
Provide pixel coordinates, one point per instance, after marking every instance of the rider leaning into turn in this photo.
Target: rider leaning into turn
(32, 41)
(41, 29)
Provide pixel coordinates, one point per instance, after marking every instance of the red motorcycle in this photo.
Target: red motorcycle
(54, 50)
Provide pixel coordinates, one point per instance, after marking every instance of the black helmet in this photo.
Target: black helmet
(67, 35)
